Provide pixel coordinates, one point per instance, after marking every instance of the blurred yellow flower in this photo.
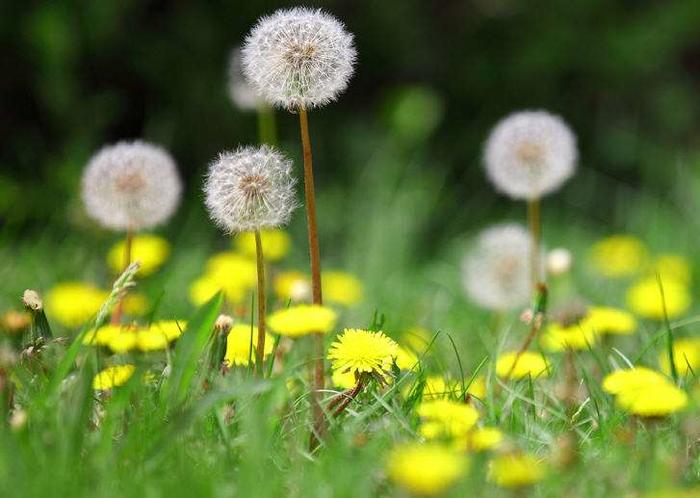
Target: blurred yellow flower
(73, 303)
(343, 380)
(151, 339)
(341, 288)
(630, 379)
(653, 400)
(405, 359)
(232, 267)
(686, 356)
(477, 388)
(238, 344)
(529, 364)
(579, 336)
(484, 439)
(444, 418)
(206, 287)
(275, 243)
(515, 470)
(362, 351)
(102, 336)
(417, 339)
(112, 377)
(123, 342)
(302, 319)
(674, 267)
(613, 321)
(155, 337)
(644, 298)
(618, 256)
(437, 387)
(149, 250)
(425, 469)
(292, 286)
(171, 329)
(135, 304)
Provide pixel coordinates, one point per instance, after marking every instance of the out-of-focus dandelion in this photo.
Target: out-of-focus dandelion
(673, 267)
(241, 344)
(484, 439)
(530, 154)
(528, 363)
(425, 469)
(149, 250)
(618, 256)
(112, 377)
(444, 418)
(292, 286)
(303, 319)
(644, 392)
(646, 299)
(299, 59)
(559, 261)
(686, 357)
(131, 186)
(341, 288)
(275, 242)
(73, 303)
(516, 470)
(496, 271)
(251, 189)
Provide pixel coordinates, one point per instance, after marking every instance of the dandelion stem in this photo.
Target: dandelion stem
(117, 315)
(534, 224)
(346, 397)
(315, 257)
(260, 348)
(538, 310)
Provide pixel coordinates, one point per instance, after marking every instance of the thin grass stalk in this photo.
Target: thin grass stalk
(315, 258)
(535, 225)
(260, 349)
(117, 315)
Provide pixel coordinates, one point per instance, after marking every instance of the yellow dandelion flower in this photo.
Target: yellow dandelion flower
(232, 267)
(631, 379)
(112, 377)
(73, 303)
(362, 351)
(579, 336)
(686, 356)
(437, 387)
(477, 388)
(484, 439)
(425, 469)
(644, 298)
(238, 344)
(341, 288)
(135, 304)
(149, 250)
(529, 363)
(653, 400)
(673, 267)
(302, 319)
(171, 329)
(618, 256)
(613, 321)
(343, 380)
(123, 342)
(206, 287)
(516, 470)
(102, 336)
(417, 339)
(446, 418)
(151, 339)
(292, 285)
(405, 359)
(275, 243)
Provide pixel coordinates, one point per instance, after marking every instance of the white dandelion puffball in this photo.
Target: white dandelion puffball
(559, 261)
(496, 272)
(299, 58)
(249, 189)
(242, 94)
(131, 186)
(530, 154)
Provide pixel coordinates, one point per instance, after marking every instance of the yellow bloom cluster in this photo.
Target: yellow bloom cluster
(275, 244)
(150, 251)
(444, 418)
(302, 319)
(686, 356)
(484, 438)
(405, 360)
(292, 286)
(73, 303)
(239, 348)
(599, 320)
(112, 377)
(122, 339)
(230, 272)
(426, 469)
(529, 364)
(646, 300)
(516, 470)
(618, 256)
(644, 392)
(363, 351)
(339, 287)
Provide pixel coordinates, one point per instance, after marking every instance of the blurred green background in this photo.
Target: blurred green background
(398, 157)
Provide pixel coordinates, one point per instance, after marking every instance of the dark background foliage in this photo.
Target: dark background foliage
(432, 78)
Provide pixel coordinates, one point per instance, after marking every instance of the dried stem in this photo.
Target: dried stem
(260, 348)
(534, 224)
(344, 399)
(117, 315)
(315, 257)
(538, 312)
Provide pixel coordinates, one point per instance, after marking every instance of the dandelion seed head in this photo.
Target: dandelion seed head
(240, 91)
(496, 272)
(299, 58)
(530, 154)
(131, 186)
(250, 189)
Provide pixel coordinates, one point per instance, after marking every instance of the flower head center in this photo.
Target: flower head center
(530, 153)
(254, 186)
(130, 182)
(300, 54)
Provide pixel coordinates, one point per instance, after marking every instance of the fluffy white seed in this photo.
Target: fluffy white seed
(299, 58)
(249, 189)
(242, 94)
(530, 154)
(131, 186)
(559, 261)
(496, 271)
